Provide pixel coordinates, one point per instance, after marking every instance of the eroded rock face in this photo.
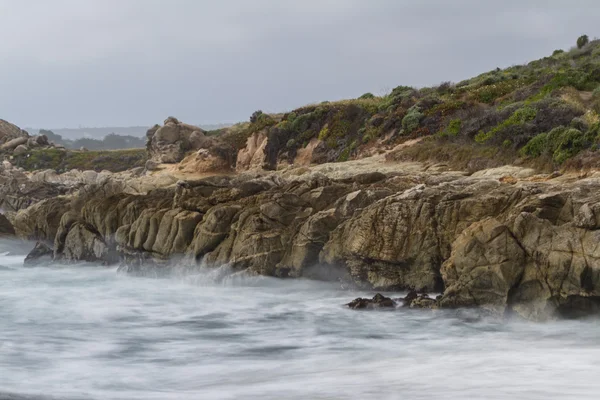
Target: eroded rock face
(486, 263)
(523, 246)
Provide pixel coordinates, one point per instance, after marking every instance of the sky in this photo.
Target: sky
(93, 63)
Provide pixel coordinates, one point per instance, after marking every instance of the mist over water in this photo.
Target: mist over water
(84, 332)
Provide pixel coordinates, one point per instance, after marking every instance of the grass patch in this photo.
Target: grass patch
(66, 160)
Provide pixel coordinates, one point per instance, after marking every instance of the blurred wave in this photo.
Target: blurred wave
(81, 332)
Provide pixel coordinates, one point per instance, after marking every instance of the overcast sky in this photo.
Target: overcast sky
(65, 63)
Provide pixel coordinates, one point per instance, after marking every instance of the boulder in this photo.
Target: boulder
(10, 131)
(12, 144)
(20, 149)
(41, 254)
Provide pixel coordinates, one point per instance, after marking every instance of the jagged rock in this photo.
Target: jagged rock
(41, 254)
(20, 149)
(378, 301)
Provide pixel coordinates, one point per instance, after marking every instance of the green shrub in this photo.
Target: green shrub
(582, 41)
(412, 119)
(367, 96)
(291, 117)
(560, 143)
(255, 116)
(596, 93)
(290, 143)
(324, 133)
(557, 52)
(490, 92)
(454, 127)
(519, 117)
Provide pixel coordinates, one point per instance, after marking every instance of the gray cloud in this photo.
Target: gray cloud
(126, 62)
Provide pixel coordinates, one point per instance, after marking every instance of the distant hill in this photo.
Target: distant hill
(100, 133)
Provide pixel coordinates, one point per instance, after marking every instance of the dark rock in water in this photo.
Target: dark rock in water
(419, 300)
(40, 254)
(412, 295)
(378, 301)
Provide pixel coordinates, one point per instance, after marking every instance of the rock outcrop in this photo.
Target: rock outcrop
(15, 141)
(526, 246)
(40, 255)
(10, 132)
(171, 142)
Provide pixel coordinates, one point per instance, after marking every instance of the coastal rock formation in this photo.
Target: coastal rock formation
(524, 246)
(171, 142)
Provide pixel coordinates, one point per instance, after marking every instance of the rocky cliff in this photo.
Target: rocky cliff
(505, 240)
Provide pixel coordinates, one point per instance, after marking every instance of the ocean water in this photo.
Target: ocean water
(87, 332)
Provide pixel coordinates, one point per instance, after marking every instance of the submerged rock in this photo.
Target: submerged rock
(378, 301)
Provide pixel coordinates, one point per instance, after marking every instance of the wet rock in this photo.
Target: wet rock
(378, 301)
(41, 254)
